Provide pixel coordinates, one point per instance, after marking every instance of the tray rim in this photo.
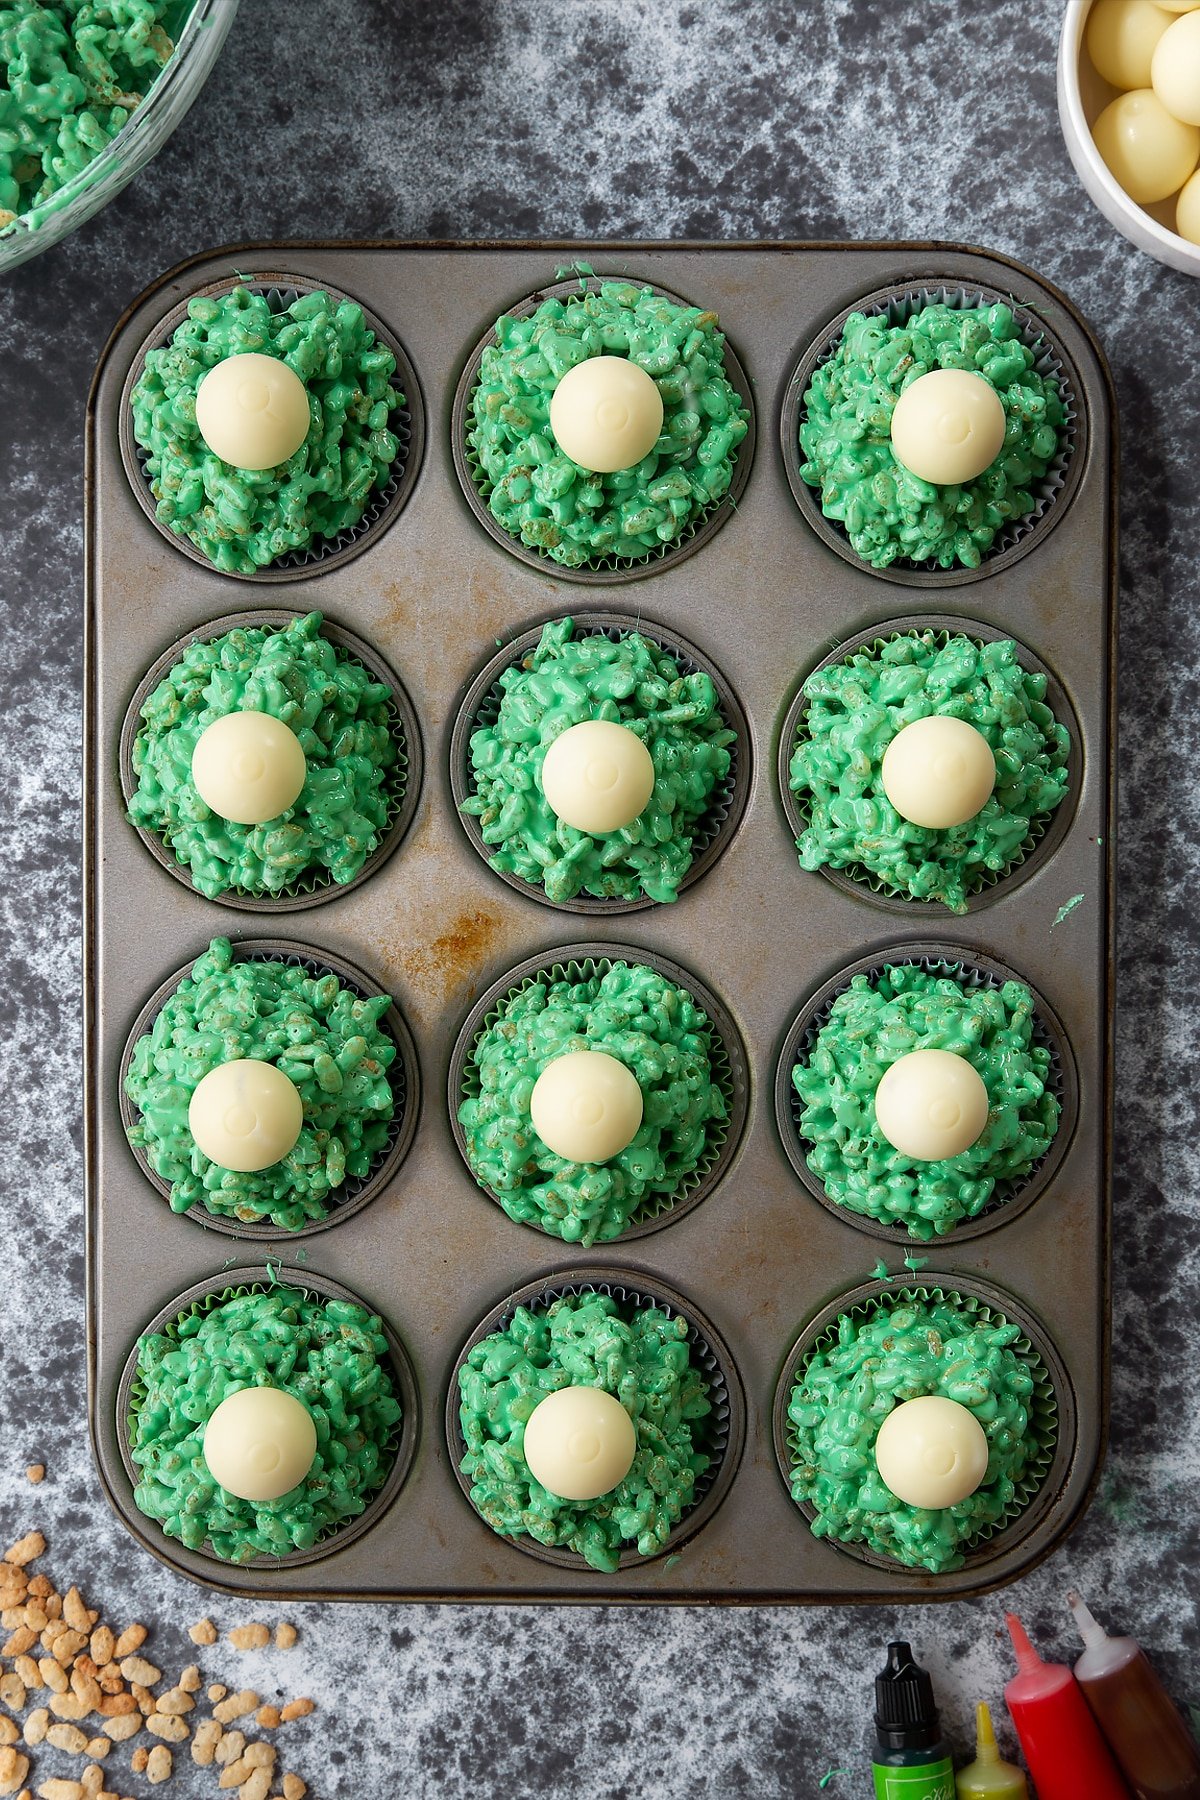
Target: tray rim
(1107, 773)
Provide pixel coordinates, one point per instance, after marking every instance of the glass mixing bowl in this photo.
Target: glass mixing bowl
(143, 136)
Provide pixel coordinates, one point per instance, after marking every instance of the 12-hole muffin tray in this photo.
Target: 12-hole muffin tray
(748, 1255)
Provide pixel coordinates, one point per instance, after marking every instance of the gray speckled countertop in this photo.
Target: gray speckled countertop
(365, 118)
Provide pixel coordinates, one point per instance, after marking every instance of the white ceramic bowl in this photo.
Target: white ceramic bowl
(1082, 96)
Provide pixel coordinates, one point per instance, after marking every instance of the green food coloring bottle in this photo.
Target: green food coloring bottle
(912, 1759)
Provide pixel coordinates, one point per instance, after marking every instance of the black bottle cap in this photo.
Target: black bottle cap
(906, 1717)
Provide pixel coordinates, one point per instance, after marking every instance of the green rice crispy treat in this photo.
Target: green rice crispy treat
(635, 1015)
(856, 707)
(345, 722)
(323, 1037)
(574, 515)
(564, 681)
(906, 1349)
(845, 435)
(244, 519)
(586, 1340)
(871, 1025)
(329, 1354)
(72, 72)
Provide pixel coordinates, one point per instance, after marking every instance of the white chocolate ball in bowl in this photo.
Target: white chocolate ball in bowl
(1121, 36)
(1175, 68)
(1147, 151)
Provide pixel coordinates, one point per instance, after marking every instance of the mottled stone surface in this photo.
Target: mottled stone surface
(625, 117)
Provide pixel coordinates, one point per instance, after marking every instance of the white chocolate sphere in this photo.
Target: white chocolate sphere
(606, 414)
(1121, 35)
(931, 1452)
(260, 1443)
(1148, 153)
(598, 776)
(579, 1443)
(931, 1104)
(938, 772)
(248, 766)
(245, 1114)
(948, 426)
(586, 1106)
(1187, 210)
(1175, 70)
(252, 411)
(1178, 6)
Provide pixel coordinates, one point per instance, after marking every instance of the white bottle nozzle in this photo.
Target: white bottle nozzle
(1092, 1633)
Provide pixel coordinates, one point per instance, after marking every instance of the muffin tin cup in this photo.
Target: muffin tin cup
(712, 832)
(384, 505)
(403, 1076)
(1051, 495)
(1046, 832)
(260, 1278)
(316, 887)
(724, 1429)
(609, 570)
(581, 961)
(973, 970)
(1052, 1410)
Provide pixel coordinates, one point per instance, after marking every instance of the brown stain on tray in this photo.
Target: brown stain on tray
(453, 959)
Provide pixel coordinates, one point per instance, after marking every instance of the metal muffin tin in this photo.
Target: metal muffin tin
(764, 599)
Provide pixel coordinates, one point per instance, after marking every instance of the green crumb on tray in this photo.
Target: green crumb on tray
(904, 1349)
(72, 73)
(857, 706)
(873, 1023)
(574, 515)
(845, 435)
(245, 519)
(324, 1037)
(639, 1354)
(346, 723)
(565, 681)
(329, 1354)
(637, 1016)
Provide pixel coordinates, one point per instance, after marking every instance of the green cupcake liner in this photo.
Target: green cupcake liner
(607, 569)
(581, 963)
(399, 1446)
(970, 970)
(1050, 1419)
(1046, 831)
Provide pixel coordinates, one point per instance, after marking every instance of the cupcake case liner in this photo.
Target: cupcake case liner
(724, 1429)
(604, 571)
(435, 602)
(407, 424)
(578, 962)
(712, 832)
(1052, 494)
(1045, 834)
(972, 970)
(403, 1076)
(231, 1284)
(402, 788)
(1052, 1410)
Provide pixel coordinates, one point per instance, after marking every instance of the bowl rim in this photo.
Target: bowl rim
(1090, 166)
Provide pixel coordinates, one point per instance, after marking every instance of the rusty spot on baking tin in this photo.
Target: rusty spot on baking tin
(456, 954)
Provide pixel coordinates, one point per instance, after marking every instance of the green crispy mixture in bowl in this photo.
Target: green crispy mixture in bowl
(71, 73)
(566, 680)
(325, 1038)
(641, 1355)
(330, 1354)
(870, 1025)
(904, 1347)
(349, 731)
(632, 1013)
(575, 516)
(845, 435)
(856, 707)
(246, 519)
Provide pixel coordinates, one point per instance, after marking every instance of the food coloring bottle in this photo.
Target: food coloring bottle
(1145, 1733)
(989, 1777)
(912, 1759)
(1067, 1757)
